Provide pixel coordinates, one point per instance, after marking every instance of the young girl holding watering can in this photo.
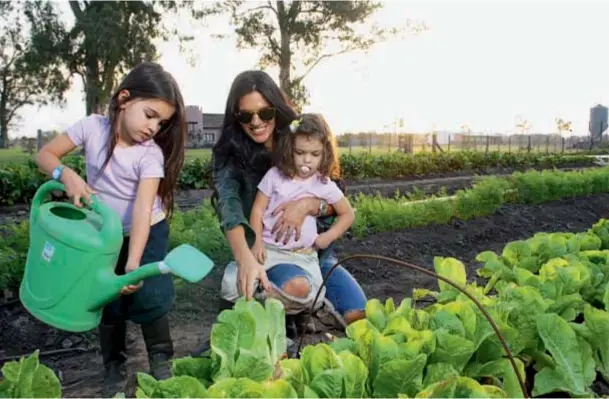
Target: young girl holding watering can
(306, 160)
(133, 157)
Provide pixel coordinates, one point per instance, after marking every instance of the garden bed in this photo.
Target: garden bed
(196, 308)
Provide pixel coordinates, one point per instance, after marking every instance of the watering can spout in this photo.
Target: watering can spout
(183, 261)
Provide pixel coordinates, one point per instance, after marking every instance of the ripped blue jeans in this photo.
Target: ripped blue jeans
(342, 290)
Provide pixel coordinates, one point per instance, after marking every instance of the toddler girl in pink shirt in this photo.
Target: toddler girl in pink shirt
(305, 161)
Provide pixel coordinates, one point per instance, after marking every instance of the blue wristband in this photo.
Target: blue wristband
(57, 172)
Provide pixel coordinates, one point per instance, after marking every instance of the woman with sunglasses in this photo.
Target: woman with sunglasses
(257, 112)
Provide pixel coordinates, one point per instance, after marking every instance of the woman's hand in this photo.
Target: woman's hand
(291, 217)
(76, 187)
(250, 271)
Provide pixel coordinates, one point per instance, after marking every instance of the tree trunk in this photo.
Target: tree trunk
(3, 122)
(3, 134)
(92, 87)
(285, 61)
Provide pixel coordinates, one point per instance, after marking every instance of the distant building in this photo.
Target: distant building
(203, 129)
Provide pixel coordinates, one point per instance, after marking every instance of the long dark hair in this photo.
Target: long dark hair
(233, 139)
(150, 80)
(313, 126)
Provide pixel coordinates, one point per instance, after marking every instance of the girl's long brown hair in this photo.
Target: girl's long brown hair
(313, 126)
(150, 80)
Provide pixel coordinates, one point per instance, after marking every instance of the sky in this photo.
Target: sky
(487, 64)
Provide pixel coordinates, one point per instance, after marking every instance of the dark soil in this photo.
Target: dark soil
(197, 305)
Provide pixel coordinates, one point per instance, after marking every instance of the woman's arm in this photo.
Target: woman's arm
(260, 204)
(230, 208)
(236, 226)
(293, 214)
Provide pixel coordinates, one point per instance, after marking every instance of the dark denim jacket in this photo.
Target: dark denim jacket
(236, 189)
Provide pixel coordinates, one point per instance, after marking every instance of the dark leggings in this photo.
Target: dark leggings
(155, 298)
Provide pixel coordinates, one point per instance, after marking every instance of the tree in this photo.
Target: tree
(297, 35)
(29, 75)
(562, 125)
(109, 38)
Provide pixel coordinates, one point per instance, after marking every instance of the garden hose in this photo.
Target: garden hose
(429, 273)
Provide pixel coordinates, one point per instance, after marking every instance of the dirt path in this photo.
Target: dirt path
(197, 305)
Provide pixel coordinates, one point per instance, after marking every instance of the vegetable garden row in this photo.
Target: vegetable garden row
(199, 227)
(548, 295)
(20, 180)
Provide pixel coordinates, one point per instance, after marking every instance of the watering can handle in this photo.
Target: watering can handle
(112, 225)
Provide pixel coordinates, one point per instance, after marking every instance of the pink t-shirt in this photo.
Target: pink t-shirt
(117, 185)
(281, 189)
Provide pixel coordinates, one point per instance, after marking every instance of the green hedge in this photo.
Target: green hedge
(19, 181)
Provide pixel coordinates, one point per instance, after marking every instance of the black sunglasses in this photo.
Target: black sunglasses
(265, 114)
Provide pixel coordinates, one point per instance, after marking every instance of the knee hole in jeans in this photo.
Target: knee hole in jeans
(298, 287)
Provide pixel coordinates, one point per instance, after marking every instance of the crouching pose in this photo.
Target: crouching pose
(305, 162)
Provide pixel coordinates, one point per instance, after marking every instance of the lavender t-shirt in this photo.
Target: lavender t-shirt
(117, 185)
(281, 189)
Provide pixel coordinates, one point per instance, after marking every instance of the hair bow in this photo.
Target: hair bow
(294, 125)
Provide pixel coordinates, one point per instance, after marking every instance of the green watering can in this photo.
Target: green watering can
(69, 275)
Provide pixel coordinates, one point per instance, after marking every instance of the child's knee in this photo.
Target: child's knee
(353, 316)
(297, 287)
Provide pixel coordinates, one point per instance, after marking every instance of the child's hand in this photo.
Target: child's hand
(322, 241)
(130, 289)
(259, 252)
(76, 187)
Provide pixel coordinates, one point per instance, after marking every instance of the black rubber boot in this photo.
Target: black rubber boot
(159, 345)
(291, 327)
(112, 342)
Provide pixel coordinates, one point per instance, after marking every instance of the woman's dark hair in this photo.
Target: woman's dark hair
(312, 126)
(233, 139)
(150, 80)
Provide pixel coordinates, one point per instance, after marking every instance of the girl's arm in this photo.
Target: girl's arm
(140, 226)
(344, 219)
(49, 158)
(140, 222)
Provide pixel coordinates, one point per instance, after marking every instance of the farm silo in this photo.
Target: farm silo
(598, 122)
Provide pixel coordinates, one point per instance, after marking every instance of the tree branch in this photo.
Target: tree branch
(241, 14)
(78, 13)
(273, 8)
(321, 58)
(16, 106)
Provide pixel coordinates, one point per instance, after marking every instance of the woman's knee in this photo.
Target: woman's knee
(297, 287)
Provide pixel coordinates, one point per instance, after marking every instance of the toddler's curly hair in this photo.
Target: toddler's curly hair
(312, 126)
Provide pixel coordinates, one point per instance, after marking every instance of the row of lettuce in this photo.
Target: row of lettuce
(548, 296)
(20, 180)
(200, 228)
